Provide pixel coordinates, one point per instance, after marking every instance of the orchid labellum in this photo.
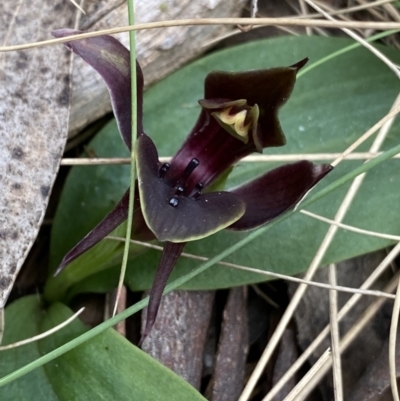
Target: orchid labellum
(174, 203)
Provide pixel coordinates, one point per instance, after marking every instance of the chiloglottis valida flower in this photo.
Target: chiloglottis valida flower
(174, 203)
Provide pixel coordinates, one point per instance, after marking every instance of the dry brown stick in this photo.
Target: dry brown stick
(335, 336)
(380, 26)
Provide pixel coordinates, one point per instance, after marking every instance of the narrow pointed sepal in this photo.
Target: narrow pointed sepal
(170, 256)
(116, 217)
(276, 192)
(175, 217)
(112, 61)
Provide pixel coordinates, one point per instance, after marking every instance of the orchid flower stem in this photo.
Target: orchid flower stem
(203, 267)
(132, 44)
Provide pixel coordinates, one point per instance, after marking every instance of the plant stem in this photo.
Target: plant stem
(132, 46)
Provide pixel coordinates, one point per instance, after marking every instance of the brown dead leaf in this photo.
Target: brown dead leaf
(178, 337)
(286, 357)
(228, 377)
(34, 109)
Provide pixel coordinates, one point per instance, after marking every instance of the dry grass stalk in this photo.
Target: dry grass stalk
(359, 39)
(381, 26)
(350, 336)
(350, 304)
(97, 161)
(295, 394)
(42, 335)
(351, 228)
(335, 336)
(200, 258)
(392, 345)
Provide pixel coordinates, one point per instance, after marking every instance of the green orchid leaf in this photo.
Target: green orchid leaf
(106, 368)
(93, 192)
(331, 106)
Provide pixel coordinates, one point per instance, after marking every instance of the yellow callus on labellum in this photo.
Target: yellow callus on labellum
(238, 122)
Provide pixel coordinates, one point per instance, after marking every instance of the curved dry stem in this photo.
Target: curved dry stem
(1, 324)
(339, 12)
(295, 394)
(359, 39)
(42, 335)
(388, 119)
(212, 21)
(392, 345)
(350, 290)
(351, 228)
(335, 336)
(78, 6)
(98, 161)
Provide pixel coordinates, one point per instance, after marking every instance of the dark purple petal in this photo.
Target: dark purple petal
(277, 191)
(116, 217)
(260, 93)
(171, 215)
(215, 149)
(269, 89)
(112, 61)
(170, 256)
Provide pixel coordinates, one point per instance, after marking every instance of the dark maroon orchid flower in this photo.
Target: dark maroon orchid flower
(238, 117)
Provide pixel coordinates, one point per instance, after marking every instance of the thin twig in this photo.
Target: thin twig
(110, 303)
(391, 10)
(335, 336)
(374, 293)
(329, 10)
(1, 324)
(97, 161)
(342, 313)
(392, 345)
(292, 32)
(294, 395)
(359, 39)
(253, 14)
(263, 272)
(264, 296)
(373, 11)
(12, 19)
(351, 228)
(78, 6)
(350, 336)
(304, 13)
(42, 335)
(388, 119)
(381, 26)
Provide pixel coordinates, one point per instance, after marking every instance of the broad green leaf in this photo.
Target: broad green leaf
(90, 193)
(332, 105)
(106, 368)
